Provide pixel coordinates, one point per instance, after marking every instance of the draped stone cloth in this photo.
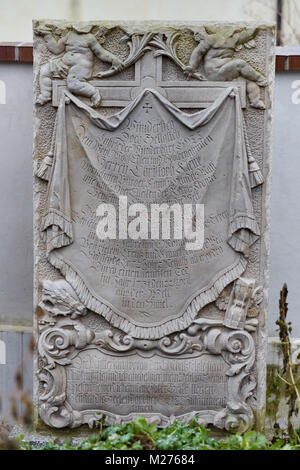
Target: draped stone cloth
(151, 152)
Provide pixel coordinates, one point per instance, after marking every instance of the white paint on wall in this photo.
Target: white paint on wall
(16, 196)
(296, 93)
(260, 9)
(2, 92)
(285, 221)
(16, 16)
(2, 352)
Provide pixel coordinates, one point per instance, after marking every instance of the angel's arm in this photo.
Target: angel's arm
(197, 55)
(54, 46)
(102, 53)
(246, 35)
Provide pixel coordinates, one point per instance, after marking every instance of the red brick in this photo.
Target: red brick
(26, 53)
(294, 63)
(280, 63)
(7, 51)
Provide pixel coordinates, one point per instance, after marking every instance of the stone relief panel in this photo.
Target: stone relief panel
(76, 48)
(213, 376)
(139, 111)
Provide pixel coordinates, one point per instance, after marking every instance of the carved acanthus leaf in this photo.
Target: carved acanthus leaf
(60, 299)
(168, 48)
(138, 45)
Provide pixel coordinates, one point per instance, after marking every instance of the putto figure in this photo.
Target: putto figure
(216, 49)
(75, 64)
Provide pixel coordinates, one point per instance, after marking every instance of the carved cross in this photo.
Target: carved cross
(147, 107)
(119, 93)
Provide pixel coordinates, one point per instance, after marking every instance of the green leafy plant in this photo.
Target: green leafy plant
(138, 435)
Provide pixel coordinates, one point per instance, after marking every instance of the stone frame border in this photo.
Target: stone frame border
(61, 341)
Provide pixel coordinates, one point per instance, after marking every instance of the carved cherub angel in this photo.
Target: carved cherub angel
(76, 49)
(216, 49)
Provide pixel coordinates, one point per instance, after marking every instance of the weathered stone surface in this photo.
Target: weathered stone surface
(175, 114)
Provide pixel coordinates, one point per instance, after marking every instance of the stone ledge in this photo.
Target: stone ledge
(10, 328)
(287, 58)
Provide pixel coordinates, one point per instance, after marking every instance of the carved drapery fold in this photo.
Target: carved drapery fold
(57, 224)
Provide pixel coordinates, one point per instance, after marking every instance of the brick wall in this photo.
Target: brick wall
(287, 58)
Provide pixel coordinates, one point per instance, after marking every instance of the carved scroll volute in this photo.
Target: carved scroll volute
(56, 344)
(238, 350)
(51, 408)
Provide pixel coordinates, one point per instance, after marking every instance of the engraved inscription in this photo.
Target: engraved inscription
(154, 157)
(136, 384)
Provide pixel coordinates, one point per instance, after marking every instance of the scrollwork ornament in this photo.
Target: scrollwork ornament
(55, 410)
(60, 343)
(62, 338)
(238, 350)
(56, 343)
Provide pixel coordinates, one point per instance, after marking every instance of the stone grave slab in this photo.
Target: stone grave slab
(160, 307)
